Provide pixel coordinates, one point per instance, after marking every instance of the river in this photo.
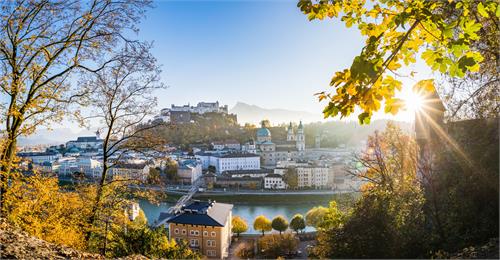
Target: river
(249, 207)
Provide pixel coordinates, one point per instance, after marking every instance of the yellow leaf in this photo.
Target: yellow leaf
(425, 85)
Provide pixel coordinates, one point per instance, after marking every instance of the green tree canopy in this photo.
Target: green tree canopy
(280, 224)
(396, 33)
(263, 224)
(291, 178)
(298, 223)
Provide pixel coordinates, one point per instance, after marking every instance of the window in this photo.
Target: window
(183, 231)
(213, 234)
(205, 233)
(176, 231)
(194, 242)
(211, 243)
(211, 253)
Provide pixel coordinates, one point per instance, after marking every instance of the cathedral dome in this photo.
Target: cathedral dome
(263, 132)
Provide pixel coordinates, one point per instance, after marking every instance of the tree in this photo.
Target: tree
(291, 178)
(265, 123)
(298, 223)
(461, 190)
(37, 206)
(390, 209)
(245, 250)
(136, 237)
(122, 101)
(239, 225)
(396, 32)
(44, 44)
(261, 223)
(279, 224)
(315, 215)
(154, 176)
(277, 246)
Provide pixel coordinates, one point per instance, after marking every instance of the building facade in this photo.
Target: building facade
(189, 170)
(86, 142)
(313, 176)
(274, 182)
(135, 171)
(40, 157)
(204, 226)
(273, 152)
(236, 161)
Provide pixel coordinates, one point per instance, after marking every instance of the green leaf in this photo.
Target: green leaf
(482, 11)
(364, 118)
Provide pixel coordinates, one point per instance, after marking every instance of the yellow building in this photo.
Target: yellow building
(205, 226)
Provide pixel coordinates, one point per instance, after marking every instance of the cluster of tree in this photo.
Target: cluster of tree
(39, 206)
(412, 216)
(279, 223)
(166, 173)
(274, 246)
(45, 48)
(217, 127)
(203, 130)
(456, 203)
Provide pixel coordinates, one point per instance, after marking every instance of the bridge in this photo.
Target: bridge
(184, 199)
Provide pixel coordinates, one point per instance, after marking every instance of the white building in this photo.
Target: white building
(134, 171)
(88, 166)
(86, 142)
(40, 157)
(248, 173)
(249, 147)
(228, 144)
(200, 108)
(313, 176)
(189, 169)
(235, 161)
(274, 181)
(224, 161)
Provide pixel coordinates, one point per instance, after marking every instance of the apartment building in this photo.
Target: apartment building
(204, 225)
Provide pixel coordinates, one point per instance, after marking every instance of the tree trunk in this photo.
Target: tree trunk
(97, 201)
(6, 161)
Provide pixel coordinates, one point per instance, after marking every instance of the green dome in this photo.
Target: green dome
(74, 150)
(263, 132)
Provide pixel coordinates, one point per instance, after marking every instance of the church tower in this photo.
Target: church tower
(290, 136)
(300, 139)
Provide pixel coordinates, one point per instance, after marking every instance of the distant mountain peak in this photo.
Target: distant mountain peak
(248, 113)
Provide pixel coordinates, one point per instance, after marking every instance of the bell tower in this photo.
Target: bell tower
(300, 139)
(290, 136)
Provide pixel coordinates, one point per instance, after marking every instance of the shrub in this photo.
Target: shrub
(274, 245)
(245, 250)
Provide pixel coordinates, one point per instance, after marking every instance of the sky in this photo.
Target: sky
(258, 52)
(264, 53)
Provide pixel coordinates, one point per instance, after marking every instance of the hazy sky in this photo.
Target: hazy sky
(264, 53)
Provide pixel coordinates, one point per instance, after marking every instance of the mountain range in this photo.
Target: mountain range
(254, 114)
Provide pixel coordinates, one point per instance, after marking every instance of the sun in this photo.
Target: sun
(413, 101)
